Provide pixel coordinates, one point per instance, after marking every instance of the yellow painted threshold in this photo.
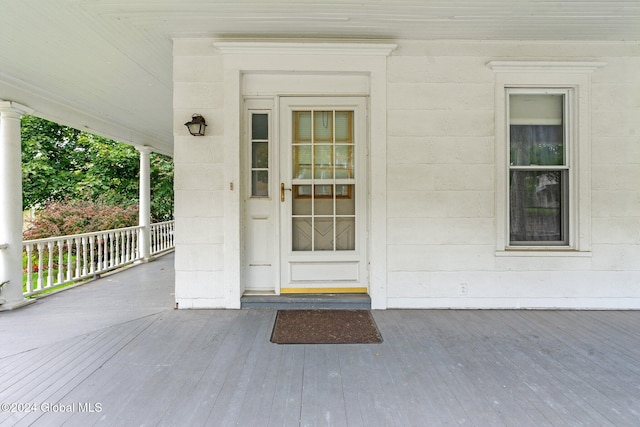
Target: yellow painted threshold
(323, 290)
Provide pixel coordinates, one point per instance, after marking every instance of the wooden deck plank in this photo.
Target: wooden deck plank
(423, 387)
(586, 378)
(604, 340)
(540, 371)
(505, 389)
(288, 372)
(116, 298)
(247, 379)
(218, 345)
(392, 379)
(150, 366)
(269, 386)
(217, 367)
(541, 355)
(323, 401)
(366, 401)
(52, 378)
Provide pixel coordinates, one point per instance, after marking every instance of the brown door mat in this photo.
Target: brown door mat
(325, 327)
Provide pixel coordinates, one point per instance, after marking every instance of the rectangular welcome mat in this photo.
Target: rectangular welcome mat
(325, 327)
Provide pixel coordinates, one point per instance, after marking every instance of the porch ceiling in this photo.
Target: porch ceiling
(107, 65)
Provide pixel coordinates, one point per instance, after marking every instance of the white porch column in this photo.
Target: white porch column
(145, 203)
(11, 205)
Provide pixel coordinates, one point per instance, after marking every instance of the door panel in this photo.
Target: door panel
(331, 271)
(260, 200)
(323, 204)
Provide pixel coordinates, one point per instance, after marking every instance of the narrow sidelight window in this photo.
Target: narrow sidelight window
(539, 167)
(259, 155)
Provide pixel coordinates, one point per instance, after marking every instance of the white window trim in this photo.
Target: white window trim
(575, 77)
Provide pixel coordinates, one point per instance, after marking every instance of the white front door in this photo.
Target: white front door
(261, 202)
(323, 194)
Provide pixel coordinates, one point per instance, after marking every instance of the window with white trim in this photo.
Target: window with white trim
(539, 140)
(543, 164)
(566, 178)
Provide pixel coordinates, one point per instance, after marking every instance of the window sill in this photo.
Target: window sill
(515, 251)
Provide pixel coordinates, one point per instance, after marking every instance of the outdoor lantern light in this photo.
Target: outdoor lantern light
(196, 125)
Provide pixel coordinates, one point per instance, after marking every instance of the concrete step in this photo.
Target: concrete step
(307, 301)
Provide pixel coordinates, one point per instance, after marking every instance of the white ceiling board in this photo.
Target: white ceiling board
(107, 65)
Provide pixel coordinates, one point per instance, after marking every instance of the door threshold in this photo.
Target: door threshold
(256, 292)
(306, 301)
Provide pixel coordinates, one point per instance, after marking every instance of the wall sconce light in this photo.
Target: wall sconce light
(196, 125)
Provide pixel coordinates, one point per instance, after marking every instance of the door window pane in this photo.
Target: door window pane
(323, 155)
(323, 234)
(260, 183)
(323, 129)
(260, 155)
(345, 234)
(260, 126)
(344, 126)
(301, 200)
(302, 162)
(301, 234)
(302, 126)
(344, 161)
(345, 200)
(323, 200)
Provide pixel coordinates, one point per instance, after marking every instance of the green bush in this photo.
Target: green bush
(79, 216)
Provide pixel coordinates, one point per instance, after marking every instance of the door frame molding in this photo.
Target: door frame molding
(370, 59)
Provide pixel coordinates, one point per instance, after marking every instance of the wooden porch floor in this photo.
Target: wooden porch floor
(114, 352)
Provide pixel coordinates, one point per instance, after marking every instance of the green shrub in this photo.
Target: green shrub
(79, 216)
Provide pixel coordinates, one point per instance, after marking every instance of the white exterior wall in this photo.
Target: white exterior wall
(199, 175)
(441, 182)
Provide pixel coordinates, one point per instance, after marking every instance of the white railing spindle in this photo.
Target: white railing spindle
(29, 269)
(50, 247)
(60, 262)
(78, 256)
(40, 282)
(87, 255)
(112, 250)
(162, 237)
(69, 243)
(118, 242)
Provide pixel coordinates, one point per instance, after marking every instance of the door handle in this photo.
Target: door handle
(282, 190)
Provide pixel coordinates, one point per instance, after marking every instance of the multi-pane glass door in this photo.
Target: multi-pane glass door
(323, 184)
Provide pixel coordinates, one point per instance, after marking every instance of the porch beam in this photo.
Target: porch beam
(145, 203)
(11, 296)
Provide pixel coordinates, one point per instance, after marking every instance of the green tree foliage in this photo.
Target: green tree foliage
(161, 187)
(64, 164)
(52, 159)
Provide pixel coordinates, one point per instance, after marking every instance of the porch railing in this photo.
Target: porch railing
(162, 237)
(52, 262)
